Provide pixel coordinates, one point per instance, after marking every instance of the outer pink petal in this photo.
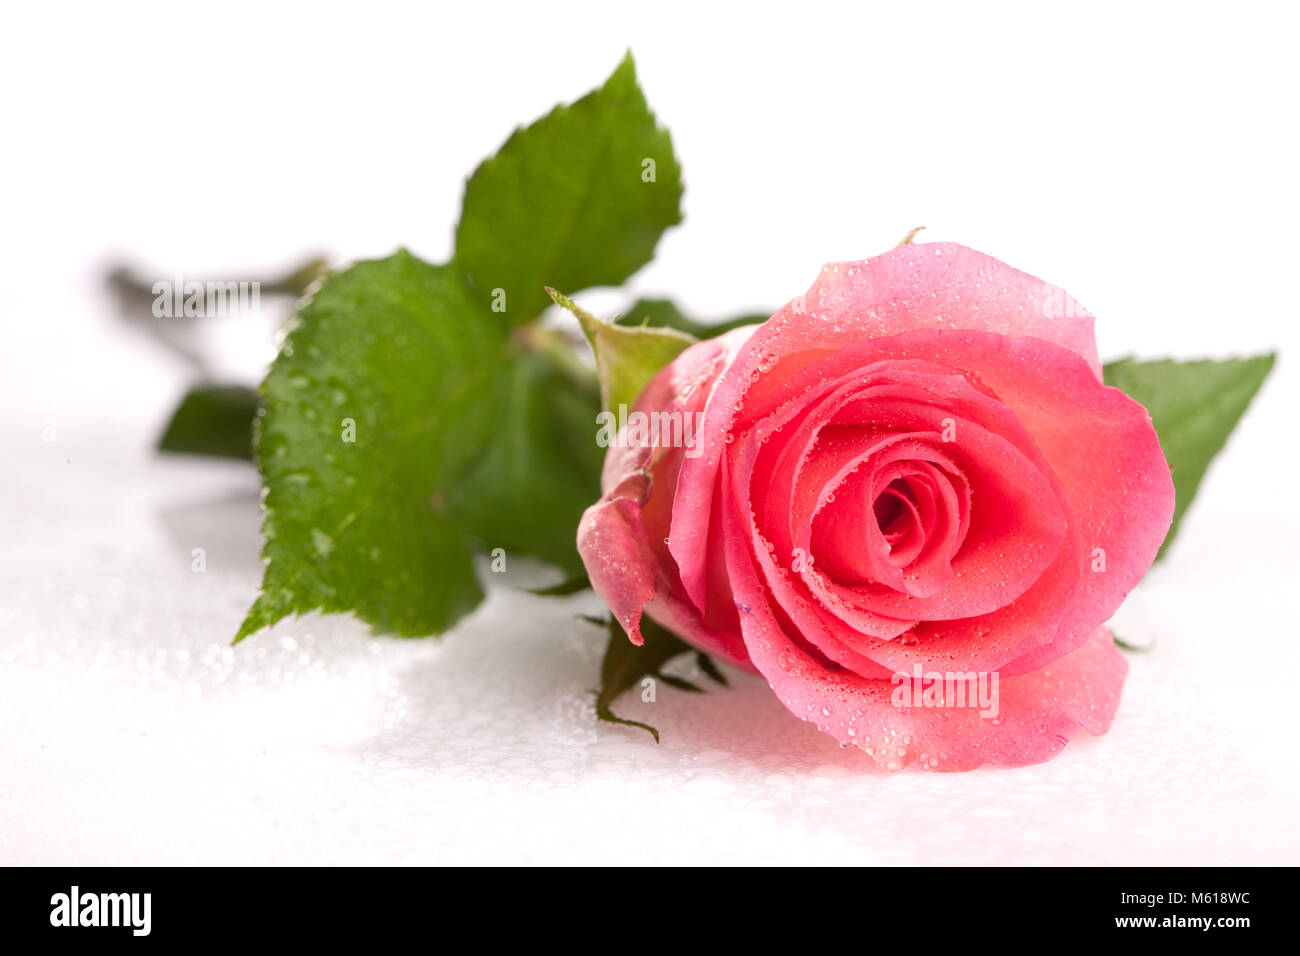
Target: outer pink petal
(625, 572)
(620, 562)
(946, 286)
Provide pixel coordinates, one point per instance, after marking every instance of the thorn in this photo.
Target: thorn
(907, 239)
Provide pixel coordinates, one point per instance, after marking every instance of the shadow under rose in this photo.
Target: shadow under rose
(512, 686)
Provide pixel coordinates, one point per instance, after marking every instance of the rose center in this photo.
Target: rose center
(898, 526)
(894, 513)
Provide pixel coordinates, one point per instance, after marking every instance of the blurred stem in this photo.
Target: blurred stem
(135, 298)
(133, 289)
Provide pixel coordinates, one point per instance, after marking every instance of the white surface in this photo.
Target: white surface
(1145, 160)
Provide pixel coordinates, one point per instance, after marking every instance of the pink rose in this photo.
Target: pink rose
(911, 506)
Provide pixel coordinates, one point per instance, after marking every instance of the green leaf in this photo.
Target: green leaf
(213, 420)
(626, 357)
(542, 469)
(565, 202)
(662, 312)
(395, 355)
(710, 669)
(579, 582)
(680, 683)
(1194, 406)
(625, 665)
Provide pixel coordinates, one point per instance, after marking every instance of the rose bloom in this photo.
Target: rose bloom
(907, 483)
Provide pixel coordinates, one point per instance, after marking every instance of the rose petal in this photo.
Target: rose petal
(620, 563)
(943, 285)
(1097, 444)
(621, 552)
(917, 286)
(1037, 712)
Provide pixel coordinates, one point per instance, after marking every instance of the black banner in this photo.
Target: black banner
(940, 906)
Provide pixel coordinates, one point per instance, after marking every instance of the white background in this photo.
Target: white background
(1142, 156)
